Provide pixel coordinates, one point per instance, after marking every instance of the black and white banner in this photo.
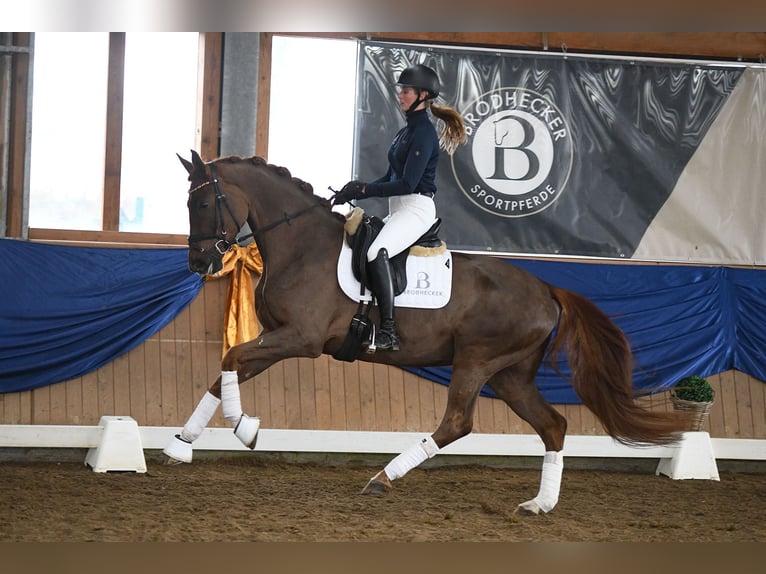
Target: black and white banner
(585, 156)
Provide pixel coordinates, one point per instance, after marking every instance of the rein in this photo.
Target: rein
(220, 199)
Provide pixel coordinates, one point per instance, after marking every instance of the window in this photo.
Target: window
(159, 121)
(311, 116)
(148, 82)
(111, 110)
(68, 128)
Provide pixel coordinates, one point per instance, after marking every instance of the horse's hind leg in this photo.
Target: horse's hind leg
(516, 387)
(456, 423)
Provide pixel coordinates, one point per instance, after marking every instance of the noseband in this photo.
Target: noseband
(222, 245)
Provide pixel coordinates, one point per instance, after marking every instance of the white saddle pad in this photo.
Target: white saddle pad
(429, 280)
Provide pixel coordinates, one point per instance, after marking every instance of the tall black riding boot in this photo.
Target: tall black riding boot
(383, 286)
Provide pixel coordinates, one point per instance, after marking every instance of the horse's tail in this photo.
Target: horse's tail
(601, 361)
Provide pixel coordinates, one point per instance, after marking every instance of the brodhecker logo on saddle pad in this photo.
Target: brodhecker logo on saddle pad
(519, 152)
(429, 280)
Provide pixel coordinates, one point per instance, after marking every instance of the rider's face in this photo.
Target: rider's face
(407, 95)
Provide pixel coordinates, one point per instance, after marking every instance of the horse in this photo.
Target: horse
(498, 326)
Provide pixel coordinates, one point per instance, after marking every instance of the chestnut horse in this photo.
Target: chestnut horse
(495, 330)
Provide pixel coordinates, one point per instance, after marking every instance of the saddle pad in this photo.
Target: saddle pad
(429, 280)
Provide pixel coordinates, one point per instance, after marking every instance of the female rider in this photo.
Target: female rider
(409, 184)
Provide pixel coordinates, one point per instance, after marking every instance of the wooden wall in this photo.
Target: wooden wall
(160, 382)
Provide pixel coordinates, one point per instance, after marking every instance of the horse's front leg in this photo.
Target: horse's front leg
(240, 364)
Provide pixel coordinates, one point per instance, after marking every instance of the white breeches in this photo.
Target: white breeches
(410, 216)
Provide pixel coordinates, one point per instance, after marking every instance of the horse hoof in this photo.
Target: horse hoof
(528, 508)
(166, 460)
(178, 451)
(378, 484)
(247, 430)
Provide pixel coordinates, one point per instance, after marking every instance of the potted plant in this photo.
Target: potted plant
(693, 394)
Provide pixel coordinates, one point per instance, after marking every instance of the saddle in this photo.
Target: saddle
(361, 231)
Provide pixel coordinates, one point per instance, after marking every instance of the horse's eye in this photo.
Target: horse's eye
(204, 204)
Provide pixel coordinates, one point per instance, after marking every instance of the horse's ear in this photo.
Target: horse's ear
(197, 161)
(187, 164)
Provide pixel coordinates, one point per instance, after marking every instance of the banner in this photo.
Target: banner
(584, 156)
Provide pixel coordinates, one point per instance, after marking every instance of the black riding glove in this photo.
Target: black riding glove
(352, 190)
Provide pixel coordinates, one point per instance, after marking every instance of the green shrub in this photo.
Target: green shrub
(695, 389)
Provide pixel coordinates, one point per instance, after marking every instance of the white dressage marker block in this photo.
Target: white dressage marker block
(694, 458)
(120, 447)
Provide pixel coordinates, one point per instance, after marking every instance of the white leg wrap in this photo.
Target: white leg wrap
(205, 410)
(550, 482)
(411, 458)
(232, 404)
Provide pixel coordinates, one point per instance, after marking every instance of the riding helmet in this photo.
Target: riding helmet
(421, 77)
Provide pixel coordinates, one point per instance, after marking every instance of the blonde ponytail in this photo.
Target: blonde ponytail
(452, 132)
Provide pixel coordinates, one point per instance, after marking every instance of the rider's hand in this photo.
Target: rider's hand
(352, 190)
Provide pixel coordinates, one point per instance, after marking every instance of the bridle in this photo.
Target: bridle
(222, 245)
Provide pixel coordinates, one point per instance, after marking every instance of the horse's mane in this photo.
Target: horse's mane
(304, 186)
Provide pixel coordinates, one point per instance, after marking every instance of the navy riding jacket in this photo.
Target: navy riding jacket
(412, 160)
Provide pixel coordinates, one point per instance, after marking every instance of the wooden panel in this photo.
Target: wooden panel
(185, 402)
(484, 417)
(263, 102)
(292, 393)
(17, 139)
(323, 405)
(728, 402)
(366, 396)
(428, 416)
(41, 406)
(121, 385)
(744, 405)
(381, 397)
(277, 415)
(209, 102)
(153, 381)
(168, 375)
(758, 398)
(105, 390)
(729, 45)
(137, 384)
(113, 151)
(411, 401)
(733, 45)
(396, 399)
(73, 413)
(90, 405)
(337, 384)
(108, 238)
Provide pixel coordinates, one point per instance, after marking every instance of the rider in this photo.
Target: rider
(409, 185)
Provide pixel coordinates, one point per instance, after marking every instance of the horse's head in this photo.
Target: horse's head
(217, 211)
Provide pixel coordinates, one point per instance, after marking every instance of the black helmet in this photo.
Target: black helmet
(421, 77)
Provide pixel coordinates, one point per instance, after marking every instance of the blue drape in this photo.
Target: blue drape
(680, 320)
(65, 311)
